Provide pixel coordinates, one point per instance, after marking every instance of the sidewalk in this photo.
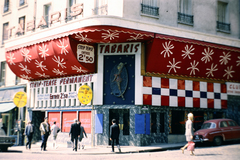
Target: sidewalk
(97, 150)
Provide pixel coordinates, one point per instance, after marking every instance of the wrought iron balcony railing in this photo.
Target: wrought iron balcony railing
(150, 10)
(185, 18)
(223, 26)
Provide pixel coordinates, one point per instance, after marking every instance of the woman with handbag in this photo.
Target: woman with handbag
(189, 135)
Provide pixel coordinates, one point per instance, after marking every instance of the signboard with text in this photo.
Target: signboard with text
(233, 88)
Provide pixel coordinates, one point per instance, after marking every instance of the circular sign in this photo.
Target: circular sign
(85, 94)
(20, 99)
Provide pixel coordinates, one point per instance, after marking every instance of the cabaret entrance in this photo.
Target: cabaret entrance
(123, 120)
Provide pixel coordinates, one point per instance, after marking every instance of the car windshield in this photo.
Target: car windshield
(208, 125)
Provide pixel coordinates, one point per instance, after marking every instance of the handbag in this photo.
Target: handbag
(58, 130)
(191, 146)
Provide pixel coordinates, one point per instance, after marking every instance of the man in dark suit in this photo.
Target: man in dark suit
(114, 134)
(29, 133)
(75, 133)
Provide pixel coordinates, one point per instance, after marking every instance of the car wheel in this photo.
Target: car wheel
(217, 141)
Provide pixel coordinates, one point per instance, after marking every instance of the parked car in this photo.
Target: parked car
(5, 141)
(217, 131)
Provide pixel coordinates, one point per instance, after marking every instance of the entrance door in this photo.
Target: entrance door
(123, 120)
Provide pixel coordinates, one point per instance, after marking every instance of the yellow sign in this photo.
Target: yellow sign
(20, 99)
(85, 94)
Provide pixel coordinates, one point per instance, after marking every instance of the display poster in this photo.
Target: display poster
(99, 123)
(139, 121)
(67, 120)
(54, 116)
(85, 119)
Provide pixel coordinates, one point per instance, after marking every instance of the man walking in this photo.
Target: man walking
(45, 132)
(55, 129)
(75, 133)
(81, 135)
(114, 134)
(29, 133)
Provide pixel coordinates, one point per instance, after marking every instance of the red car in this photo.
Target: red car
(217, 131)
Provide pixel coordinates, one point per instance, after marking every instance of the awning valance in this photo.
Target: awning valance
(4, 107)
(57, 56)
(191, 59)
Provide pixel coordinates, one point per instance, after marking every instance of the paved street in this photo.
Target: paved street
(228, 151)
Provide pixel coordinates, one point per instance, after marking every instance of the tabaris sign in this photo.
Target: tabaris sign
(85, 94)
(20, 99)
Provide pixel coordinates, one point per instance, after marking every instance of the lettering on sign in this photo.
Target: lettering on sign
(85, 53)
(66, 95)
(61, 81)
(233, 88)
(120, 48)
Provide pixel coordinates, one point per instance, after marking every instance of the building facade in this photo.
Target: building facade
(148, 63)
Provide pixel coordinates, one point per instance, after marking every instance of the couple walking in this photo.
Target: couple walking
(76, 132)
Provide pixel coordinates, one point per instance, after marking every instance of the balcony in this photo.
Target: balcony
(223, 27)
(185, 18)
(149, 10)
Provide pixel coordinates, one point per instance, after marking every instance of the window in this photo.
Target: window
(21, 2)
(21, 26)
(6, 6)
(153, 122)
(3, 73)
(149, 7)
(223, 20)
(223, 124)
(101, 7)
(185, 12)
(47, 9)
(231, 123)
(162, 122)
(18, 80)
(5, 32)
(69, 5)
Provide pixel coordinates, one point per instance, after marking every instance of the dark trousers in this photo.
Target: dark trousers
(29, 141)
(75, 143)
(44, 141)
(117, 143)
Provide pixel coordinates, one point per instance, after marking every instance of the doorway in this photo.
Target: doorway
(122, 117)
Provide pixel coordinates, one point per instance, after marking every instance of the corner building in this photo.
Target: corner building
(148, 63)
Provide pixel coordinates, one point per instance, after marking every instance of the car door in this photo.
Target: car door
(226, 130)
(235, 129)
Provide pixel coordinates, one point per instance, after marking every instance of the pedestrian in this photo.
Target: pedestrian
(75, 133)
(45, 132)
(114, 134)
(189, 134)
(29, 133)
(4, 128)
(81, 136)
(54, 130)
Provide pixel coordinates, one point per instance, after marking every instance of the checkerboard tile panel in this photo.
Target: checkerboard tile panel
(183, 93)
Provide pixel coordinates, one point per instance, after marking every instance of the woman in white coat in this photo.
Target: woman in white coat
(188, 132)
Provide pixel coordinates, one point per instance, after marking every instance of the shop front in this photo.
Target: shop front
(147, 82)
(12, 118)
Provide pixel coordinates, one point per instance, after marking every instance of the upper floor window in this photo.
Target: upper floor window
(3, 73)
(22, 2)
(21, 26)
(6, 6)
(185, 12)
(17, 80)
(150, 7)
(5, 32)
(100, 7)
(223, 20)
(47, 9)
(69, 5)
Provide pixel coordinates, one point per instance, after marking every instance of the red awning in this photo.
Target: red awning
(57, 56)
(172, 56)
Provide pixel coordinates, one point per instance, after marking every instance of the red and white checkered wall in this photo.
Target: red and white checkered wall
(183, 93)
